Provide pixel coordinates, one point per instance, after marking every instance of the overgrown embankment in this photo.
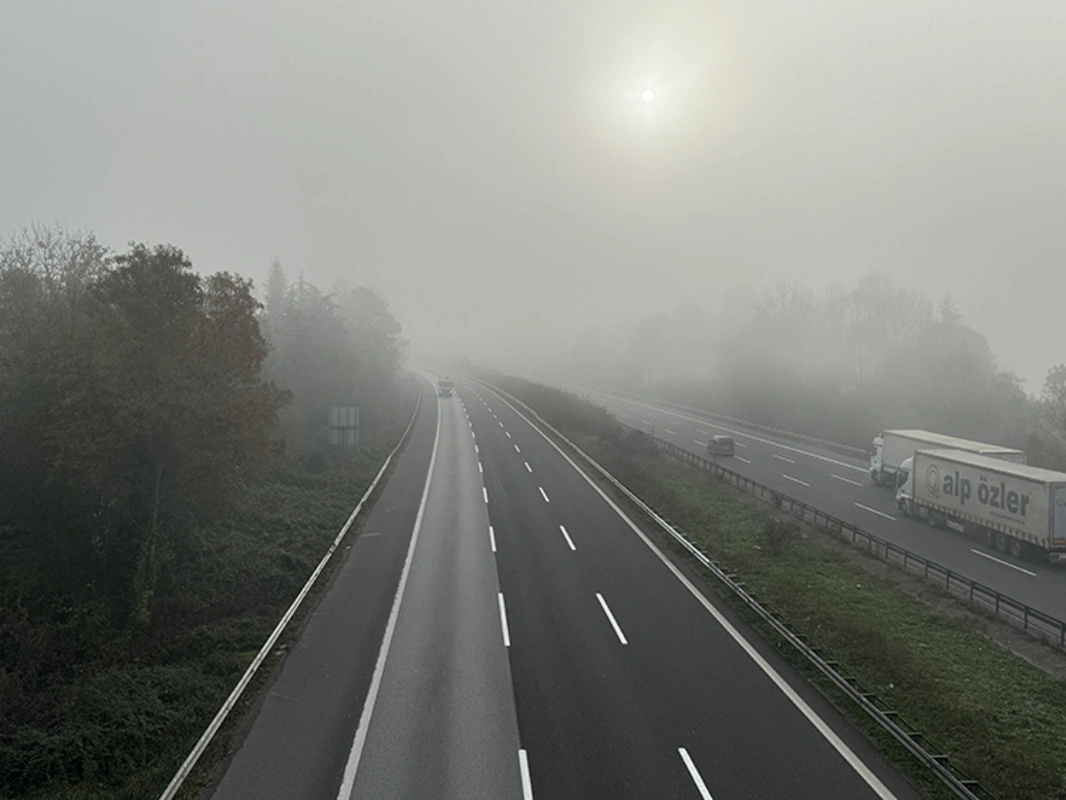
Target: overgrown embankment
(1000, 719)
(90, 708)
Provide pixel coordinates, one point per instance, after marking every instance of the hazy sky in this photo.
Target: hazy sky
(492, 167)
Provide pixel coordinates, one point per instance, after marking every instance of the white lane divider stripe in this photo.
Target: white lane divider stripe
(610, 616)
(485, 493)
(739, 444)
(845, 480)
(782, 458)
(754, 438)
(528, 468)
(492, 538)
(503, 621)
(744, 460)
(480, 468)
(508, 434)
(544, 494)
(1001, 561)
(476, 450)
(566, 535)
(527, 782)
(694, 774)
(875, 511)
(783, 686)
(670, 432)
(795, 480)
(516, 449)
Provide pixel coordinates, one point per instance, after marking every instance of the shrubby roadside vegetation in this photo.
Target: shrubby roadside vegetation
(166, 486)
(841, 364)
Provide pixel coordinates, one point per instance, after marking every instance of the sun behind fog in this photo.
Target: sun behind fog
(647, 95)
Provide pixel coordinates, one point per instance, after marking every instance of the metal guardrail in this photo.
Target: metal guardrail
(208, 735)
(839, 447)
(1037, 624)
(890, 721)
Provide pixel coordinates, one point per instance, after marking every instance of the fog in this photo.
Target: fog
(494, 171)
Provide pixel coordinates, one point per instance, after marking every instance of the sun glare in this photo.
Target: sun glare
(647, 95)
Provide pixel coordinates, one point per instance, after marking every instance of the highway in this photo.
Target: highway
(501, 630)
(840, 485)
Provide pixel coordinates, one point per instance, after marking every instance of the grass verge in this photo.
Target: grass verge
(1000, 719)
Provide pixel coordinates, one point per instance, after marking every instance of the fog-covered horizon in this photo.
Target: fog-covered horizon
(509, 177)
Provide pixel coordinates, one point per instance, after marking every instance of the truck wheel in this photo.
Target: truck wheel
(875, 476)
(937, 519)
(988, 537)
(1018, 548)
(1002, 542)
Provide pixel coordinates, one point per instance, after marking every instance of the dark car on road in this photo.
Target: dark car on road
(721, 446)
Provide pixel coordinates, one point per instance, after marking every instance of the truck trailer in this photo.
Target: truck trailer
(1015, 508)
(892, 448)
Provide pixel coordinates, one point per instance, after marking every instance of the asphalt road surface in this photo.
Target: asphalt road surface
(841, 486)
(502, 630)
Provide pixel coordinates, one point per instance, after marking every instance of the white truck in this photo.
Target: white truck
(892, 448)
(1016, 508)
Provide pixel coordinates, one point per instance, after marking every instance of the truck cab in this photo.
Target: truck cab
(877, 455)
(445, 386)
(905, 487)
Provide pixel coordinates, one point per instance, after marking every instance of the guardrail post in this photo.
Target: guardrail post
(1025, 618)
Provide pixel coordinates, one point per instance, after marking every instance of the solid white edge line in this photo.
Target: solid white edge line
(875, 511)
(544, 494)
(492, 538)
(503, 621)
(611, 619)
(351, 768)
(846, 480)
(794, 480)
(527, 781)
(742, 459)
(1004, 563)
(809, 713)
(208, 735)
(694, 774)
(569, 541)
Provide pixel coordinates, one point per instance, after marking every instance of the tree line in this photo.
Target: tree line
(138, 398)
(842, 363)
